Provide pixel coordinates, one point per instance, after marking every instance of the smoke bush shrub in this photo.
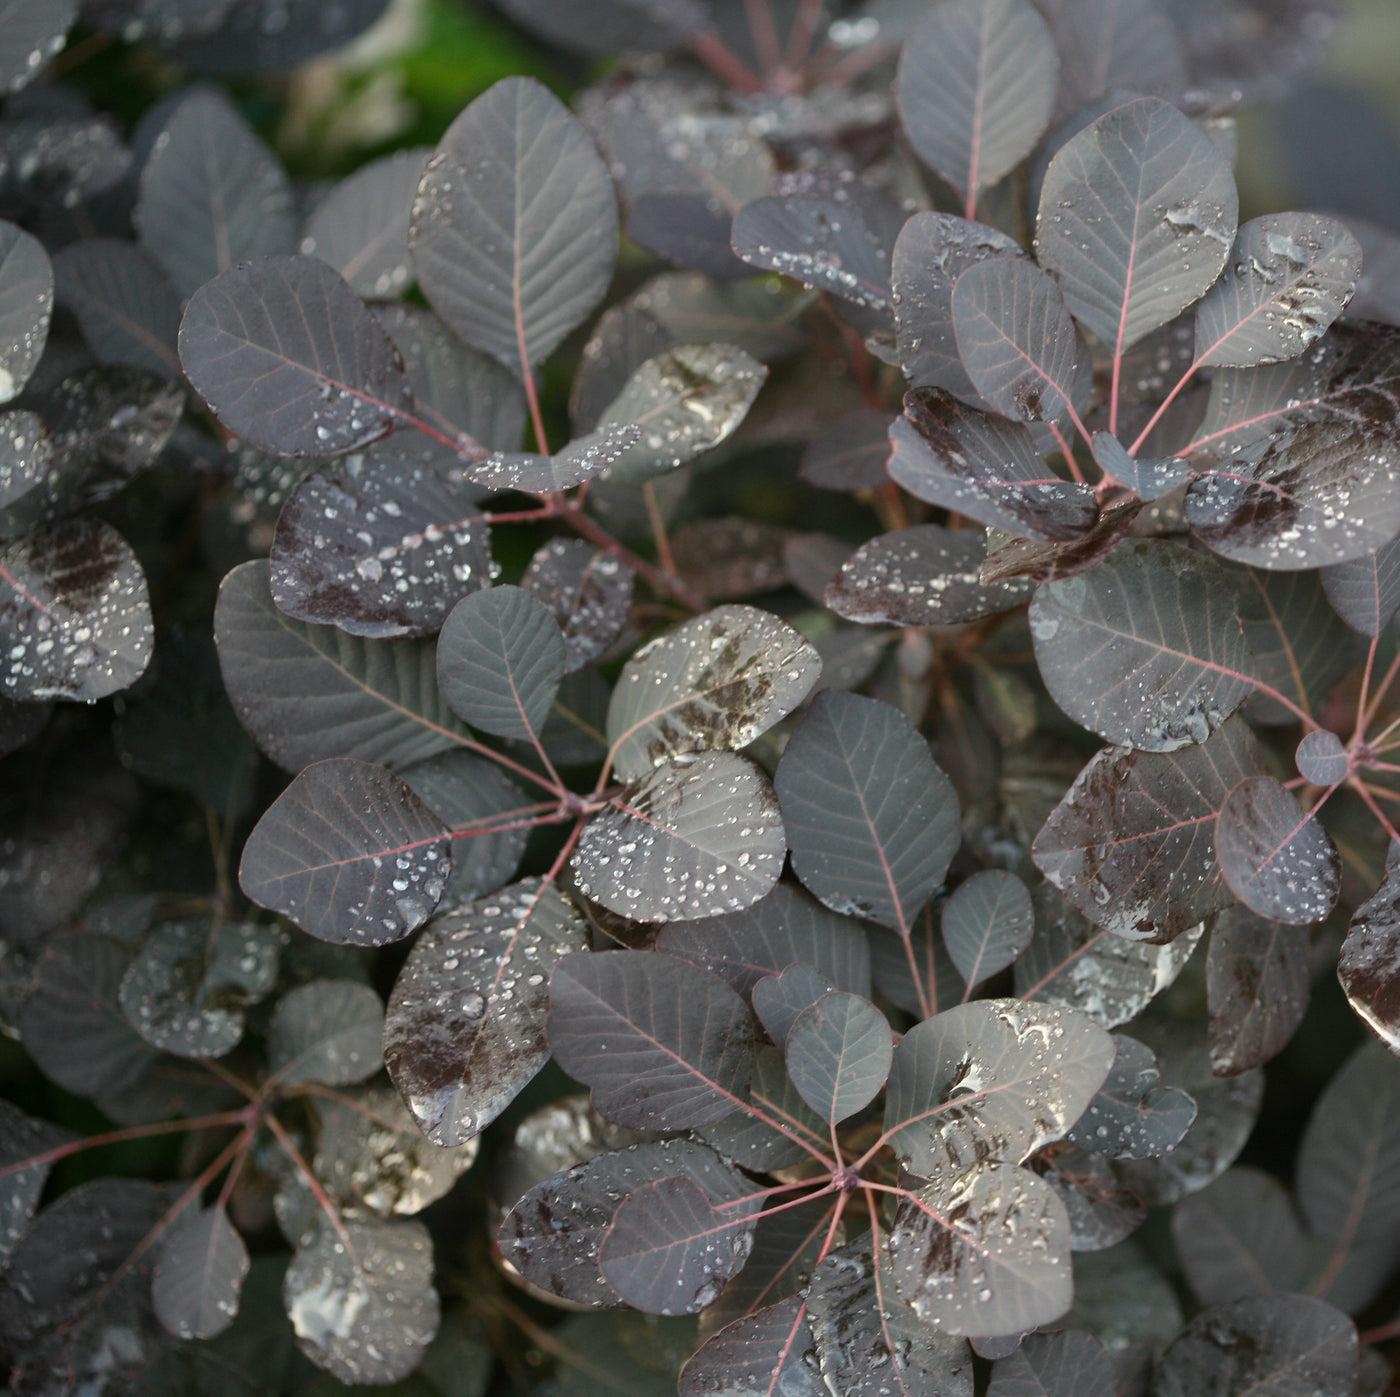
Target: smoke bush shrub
(831, 987)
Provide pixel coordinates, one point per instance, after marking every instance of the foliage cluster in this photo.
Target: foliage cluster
(825, 991)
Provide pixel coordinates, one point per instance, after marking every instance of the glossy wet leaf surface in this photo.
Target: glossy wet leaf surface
(1149, 478)
(349, 853)
(465, 1024)
(589, 592)
(768, 1350)
(718, 681)
(198, 1275)
(1131, 1116)
(871, 820)
(1258, 983)
(987, 923)
(22, 1138)
(515, 226)
(328, 1031)
(1368, 967)
(576, 463)
(26, 303)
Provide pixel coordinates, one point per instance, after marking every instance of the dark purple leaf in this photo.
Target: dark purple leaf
(1147, 649)
(1237, 45)
(1277, 859)
(732, 558)
(1070, 1363)
(349, 853)
(768, 1351)
(1246, 406)
(1269, 1345)
(1320, 494)
(932, 252)
(1348, 1178)
(871, 820)
(1132, 844)
(1365, 593)
(779, 999)
(625, 337)
(72, 1023)
(361, 227)
(465, 1027)
(1113, 45)
(26, 303)
(75, 618)
(996, 1079)
(553, 1234)
(309, 692)
(381, 1273)
(1136, 217)
(669, 1250)
(961, 459)
(782, 928)
(976, 88)
(129, 312)
(1147, 478)
(1072, 962)
(603, 26)
(327, 1031)
(500, 658)
(1242, 1236)
(1369, 964)
(273, 36)
(35, 30)
(1288, 278)
(836, 234)
(718, 681)
(922, 576)
(286, 356)
(22, 1138)
(540, 475)
(26, 455)
(838, 1055)
(1131, 1117)
(381, 544)
(987, 923)
(916, 975)
(21, 723)
(1322, 759)
(852, 455)
(663, 1044)
(688, 841)
(1015, 339)
(199, 1273)
(1258, 983)
(869, 1341)
(758, 1144)
(985, 1252)
(1102, 1212)
(1053, 562)
(691, 230)
(212, 195)
(588, 591)
(162, 21)
(515, 227)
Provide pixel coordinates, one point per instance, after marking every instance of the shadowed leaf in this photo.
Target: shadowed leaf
(1369, 963)
(871, 820)
(465, 1026)
(589, 592)
(838, 1055)
(1257, 984)
(1365, 592)
(1147, 478)
(767, 1351)
(917, 976)
(287, 357)
(1137, 213)
(1038, 561)
(515, 227)
(779, 999)
(1113, 45)
(851, 455)
(349, 853)
(1131, 1117)
(199, 1273)
(757, 1144)
(987, 923)
(22, 1138)
(327, 1031)
(35, 30)
(26, 303)
(602, 26)
(1068, 1364)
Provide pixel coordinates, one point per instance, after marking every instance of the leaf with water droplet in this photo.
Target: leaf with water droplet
(1136, 218)
(589, 592)
(381, 543)
(871, 820)
(287, 356)
(961, 459)
(514, 230)
(1102, 1211)
(212, 195)
(35, 30)
(1131, 1117)
(361, 1299)
(1258, 983)
(975, 89)
(1369, 964)
(22, 1138)
(328, 1031)
(26, 303)
(1037, 561)
(769, 1351)
(1148, 478)
(838, 1054)
(1288, 277)
(199, 1273)
(718, 681)
(349, 853)
(1132, 844)
(535, 474)
(465, 1028)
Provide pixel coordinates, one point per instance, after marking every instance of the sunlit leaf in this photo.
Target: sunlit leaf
(1070, 1363)
(515, 227)
(871, 820)
(1288, 277)
(1136, 218)
(287, 356)
(663, 1044)
(1146, 650)
(976, 87)
(838, 1054)
(212, 195)
(327, 1031)
(987, 923)
(1131, 1117)
(199, 1273)
(1258, 981)
(961, 459)
(464, 1030)
(589, 592)
(361, 1299)
(26, 303)
(718, 681)
(1132, 844)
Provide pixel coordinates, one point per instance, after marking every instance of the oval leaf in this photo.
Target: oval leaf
(199, 1274)
(1131, 1117)
(1070, 1363)
(1365, 593)
(589, 592)
(1258, 982)
(838, 1055)
(328, 1031)
(779, 999)
(1369, 964)
(987, 923)
(26, 303)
